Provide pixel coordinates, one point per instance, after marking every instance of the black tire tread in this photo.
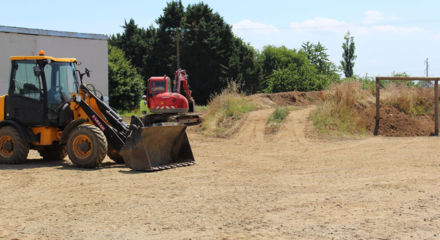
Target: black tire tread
(99, 142)
(21, 147)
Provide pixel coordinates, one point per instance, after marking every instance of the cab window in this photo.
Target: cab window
(24, 82)
(158, 86)
(60, 80)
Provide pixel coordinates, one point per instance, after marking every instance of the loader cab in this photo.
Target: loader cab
(39, 90)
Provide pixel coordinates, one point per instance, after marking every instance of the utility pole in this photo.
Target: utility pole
(178, 50)
(178, 33)
(427, 83)
(426, 67)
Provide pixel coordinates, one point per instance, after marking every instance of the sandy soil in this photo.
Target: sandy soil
(295, 185)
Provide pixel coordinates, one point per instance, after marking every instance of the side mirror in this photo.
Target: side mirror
(87, 72)
(37, 71)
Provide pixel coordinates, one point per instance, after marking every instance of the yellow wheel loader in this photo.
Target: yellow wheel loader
(48, 108)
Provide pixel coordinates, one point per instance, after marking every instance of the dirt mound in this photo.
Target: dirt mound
(395, 123)
(294, 98)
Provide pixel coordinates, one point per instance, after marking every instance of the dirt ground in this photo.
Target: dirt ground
(294, 185)
(394, 123)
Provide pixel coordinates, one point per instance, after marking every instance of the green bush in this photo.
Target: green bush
(288, 69)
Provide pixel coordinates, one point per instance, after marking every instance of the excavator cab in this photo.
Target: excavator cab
(157, 85)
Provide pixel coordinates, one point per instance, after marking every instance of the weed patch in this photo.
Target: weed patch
(339, 109)
(276, 119)
(224, 110)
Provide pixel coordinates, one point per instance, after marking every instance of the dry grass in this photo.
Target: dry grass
(412, 101)
(339, 109)
(224, 110)
(342, 105)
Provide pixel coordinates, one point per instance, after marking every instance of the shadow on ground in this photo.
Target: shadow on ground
(59, 164)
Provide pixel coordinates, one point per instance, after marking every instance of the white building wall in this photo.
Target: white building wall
(92, 53)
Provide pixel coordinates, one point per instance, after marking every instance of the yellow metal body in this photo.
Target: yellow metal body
(79, 113)
(14, 58)
(2, 107)
(50, 135)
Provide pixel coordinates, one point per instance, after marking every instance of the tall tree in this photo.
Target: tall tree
(138, 45)
(125, 84)
(244, 67)
(317, 55)
(168, 33)
(348, 55)
(207, 48)
(209, 51)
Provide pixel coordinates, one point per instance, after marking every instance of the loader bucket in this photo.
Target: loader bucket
(157, 148)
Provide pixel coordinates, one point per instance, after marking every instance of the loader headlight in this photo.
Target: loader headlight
(77, 98)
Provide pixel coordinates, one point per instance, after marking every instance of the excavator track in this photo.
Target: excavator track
(187, 119)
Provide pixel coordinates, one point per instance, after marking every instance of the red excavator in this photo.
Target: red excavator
(171, 101)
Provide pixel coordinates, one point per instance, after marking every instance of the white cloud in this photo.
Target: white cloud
(320, 24)
(374, 17)
(373, 22)
(254, 27)
(396, 29)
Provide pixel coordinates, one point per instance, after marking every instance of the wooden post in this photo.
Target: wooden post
(436, 106)
(376, 127)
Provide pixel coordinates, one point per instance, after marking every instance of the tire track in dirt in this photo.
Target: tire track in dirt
(294, 128)
(252, 130)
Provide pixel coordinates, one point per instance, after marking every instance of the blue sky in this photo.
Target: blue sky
(389, 35)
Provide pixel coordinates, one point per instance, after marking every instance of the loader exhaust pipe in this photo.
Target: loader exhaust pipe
(157, 148)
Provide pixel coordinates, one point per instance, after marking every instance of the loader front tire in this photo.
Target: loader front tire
(87, 146)
(13, 148)
(53, 153)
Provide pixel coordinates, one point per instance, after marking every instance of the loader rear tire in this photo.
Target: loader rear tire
(13, 148)
(53, 153)
(114, 155)
(87, 146)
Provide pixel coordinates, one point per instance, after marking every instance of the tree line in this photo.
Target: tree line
(212, 55)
